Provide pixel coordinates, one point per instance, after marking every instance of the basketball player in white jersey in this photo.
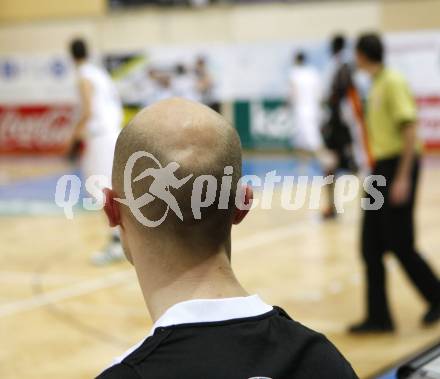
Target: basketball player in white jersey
(305, 99)
(98, 127)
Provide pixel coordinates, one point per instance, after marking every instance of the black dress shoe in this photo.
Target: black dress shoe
(432, 316)
(371, 327)
(329, 214)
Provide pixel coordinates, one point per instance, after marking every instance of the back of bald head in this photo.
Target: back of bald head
(201, 142)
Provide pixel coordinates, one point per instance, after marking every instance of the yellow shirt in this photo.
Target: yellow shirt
(390, 105)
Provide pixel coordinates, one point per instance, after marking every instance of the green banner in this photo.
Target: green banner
(265, 124)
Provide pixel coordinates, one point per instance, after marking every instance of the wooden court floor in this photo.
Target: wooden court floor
(60, 317)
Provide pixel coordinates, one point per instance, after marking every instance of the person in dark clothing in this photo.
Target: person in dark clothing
(392, 121)
(336, 130)
(205, 324)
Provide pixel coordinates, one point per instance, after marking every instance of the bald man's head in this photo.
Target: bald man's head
(190, 141)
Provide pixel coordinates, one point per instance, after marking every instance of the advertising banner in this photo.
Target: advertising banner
(38, 95)
(37, 104)
(417, 56)
(35, 128)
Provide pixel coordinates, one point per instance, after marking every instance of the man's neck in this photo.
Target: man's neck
(80, 62)
(164, 285)
(375, 69)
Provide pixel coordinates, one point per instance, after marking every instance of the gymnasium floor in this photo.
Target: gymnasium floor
(60, 317)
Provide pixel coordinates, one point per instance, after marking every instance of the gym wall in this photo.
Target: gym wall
(46, 25)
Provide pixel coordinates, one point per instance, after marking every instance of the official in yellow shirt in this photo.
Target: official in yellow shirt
(391, 118)
(391, 108)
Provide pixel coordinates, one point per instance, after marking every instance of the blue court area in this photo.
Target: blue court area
(36, 195)
(286, 166)
(389, 375)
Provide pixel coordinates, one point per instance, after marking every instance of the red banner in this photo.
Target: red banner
(46, 129)
(35, 128)
(429, 121)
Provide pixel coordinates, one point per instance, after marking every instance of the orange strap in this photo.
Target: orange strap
(355, 101)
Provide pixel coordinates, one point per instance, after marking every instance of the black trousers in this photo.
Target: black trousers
(391, 228)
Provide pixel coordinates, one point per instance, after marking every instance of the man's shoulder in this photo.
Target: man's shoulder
(118, 371)
(393, 77)
(89, 70)
(317, 353)
(322, 359)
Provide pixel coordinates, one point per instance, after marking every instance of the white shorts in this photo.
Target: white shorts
(308, 134)
(98, 156)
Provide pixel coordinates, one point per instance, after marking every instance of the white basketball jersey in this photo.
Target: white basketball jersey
(106, 108)
(306, 91)
(306, 95)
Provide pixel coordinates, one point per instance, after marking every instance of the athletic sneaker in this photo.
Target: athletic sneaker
(112, 254)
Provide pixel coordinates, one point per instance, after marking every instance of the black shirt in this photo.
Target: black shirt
(270, 345)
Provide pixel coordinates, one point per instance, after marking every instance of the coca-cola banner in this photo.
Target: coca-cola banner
(35, 128)
(38, 99)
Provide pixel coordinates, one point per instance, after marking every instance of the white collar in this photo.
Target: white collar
(212, 310)
(206, 310)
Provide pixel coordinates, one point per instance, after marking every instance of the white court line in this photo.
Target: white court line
(75, 290)
(87, 287)
(105, 310)
(24, 277)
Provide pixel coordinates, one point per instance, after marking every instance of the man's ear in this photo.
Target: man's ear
(241, 213)
(111, 207)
